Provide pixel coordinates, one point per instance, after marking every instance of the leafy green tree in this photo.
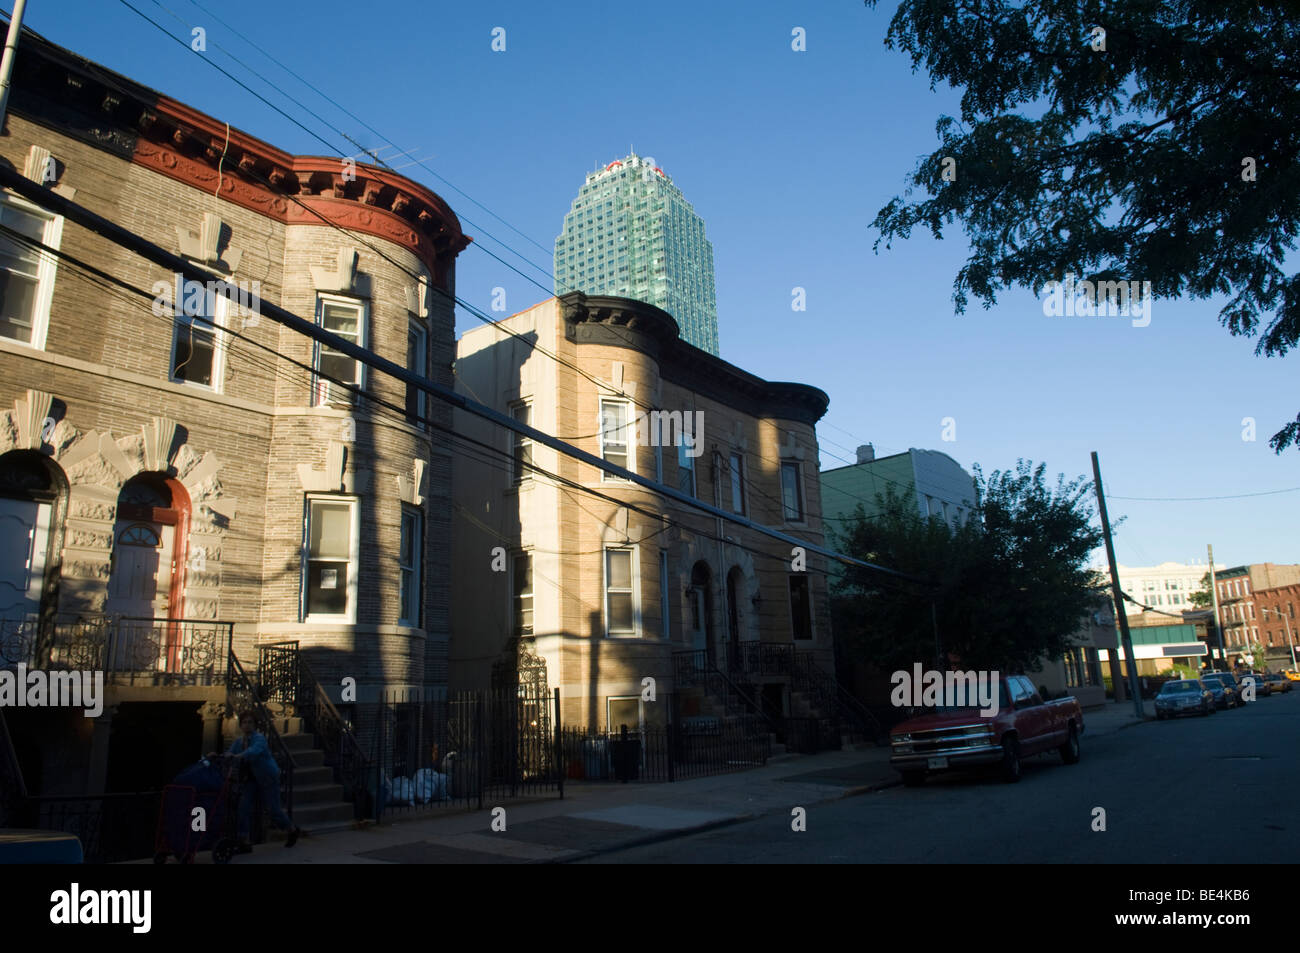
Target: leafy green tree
(1003, 590)
(1202, 598)
(1162, 149)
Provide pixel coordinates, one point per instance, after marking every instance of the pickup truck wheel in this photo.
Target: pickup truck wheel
(1070, 750)
(1010, 760)
(913, 779)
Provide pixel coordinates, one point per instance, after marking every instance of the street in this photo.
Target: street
(1213, 789)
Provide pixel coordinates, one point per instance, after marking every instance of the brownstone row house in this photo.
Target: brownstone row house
(154, 467)
(605, 592)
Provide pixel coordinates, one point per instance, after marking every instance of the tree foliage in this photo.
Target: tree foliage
(1006, 588)
(1123, 163)
(1202, 598)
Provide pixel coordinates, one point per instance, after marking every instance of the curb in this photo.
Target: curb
(655, 838)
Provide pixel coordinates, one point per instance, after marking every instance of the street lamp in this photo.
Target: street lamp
(1289, 642)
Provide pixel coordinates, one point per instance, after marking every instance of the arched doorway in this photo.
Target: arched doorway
(147, 577)
(735, 586)
(701, 598)
(33, 503)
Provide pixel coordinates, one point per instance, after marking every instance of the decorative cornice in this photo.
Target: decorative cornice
(622, 322)
(59, 89)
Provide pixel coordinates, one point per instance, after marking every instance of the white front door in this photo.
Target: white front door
(140, 585)
(24, 542)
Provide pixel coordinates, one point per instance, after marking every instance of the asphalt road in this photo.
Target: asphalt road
(1212, 789)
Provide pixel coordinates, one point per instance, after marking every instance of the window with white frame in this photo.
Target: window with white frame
(417, 361)
(410, 549)
(198, 341)
(685, 469)
(26, 272)
(737, 468)
(331, 559)
(521, 585)
(622, 613)
(522, 412)
(615, 442)
(345, 317)
(791, 493)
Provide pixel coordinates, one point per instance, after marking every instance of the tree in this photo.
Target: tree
(1006, 588)
(1202, 598)
(1160, 146)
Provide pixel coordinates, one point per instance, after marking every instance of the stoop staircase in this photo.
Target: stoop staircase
(319, 802)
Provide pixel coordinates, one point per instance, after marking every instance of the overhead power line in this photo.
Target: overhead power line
(159, 256)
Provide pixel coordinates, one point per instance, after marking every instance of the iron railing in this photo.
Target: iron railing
(285, 677)
(127, 649)
(664, 752)
(13, 789)
(242, 695)
(738, 695)
(111, 827)
(435, 749)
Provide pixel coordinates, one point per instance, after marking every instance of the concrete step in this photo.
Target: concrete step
(310, 816)
(310, 758)
(316, 793)
(296, 742)
(307, 777)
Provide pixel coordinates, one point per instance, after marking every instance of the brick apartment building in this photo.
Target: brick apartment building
(153, 466)
(1239, 605)
(1277, 622)
(598, 588)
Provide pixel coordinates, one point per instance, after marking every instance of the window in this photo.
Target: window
(331, 560)
(800, 608)
(416, 360)
(614, 443)
(347, 319)
(523, 413)
(665, 616)
(26, 273)
(521, 586)
(791, 493)
(408, 559)
(198, 345)
(685, 469)
(738, 483)
(621, 611)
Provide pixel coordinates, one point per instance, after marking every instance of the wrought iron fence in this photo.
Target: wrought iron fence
(436, 749)
(128, 649)
(111, 827)
(669, 752)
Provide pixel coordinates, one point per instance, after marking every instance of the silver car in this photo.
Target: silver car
(1184, 697)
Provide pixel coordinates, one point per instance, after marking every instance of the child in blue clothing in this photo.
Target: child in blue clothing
(264, 778)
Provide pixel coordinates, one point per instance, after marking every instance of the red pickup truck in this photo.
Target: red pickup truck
(1025, 725)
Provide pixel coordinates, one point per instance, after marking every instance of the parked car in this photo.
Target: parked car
(1292, 676)
(1262, 687)
(953, 738)
(1276, 683)
(1224, 689)
(1187, 696)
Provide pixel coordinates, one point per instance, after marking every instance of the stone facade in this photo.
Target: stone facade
(624, 351)
(91, 399)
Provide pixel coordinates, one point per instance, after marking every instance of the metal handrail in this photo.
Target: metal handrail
(238, 680)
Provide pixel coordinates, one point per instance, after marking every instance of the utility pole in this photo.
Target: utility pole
(1120, 614)
(1282, 615)
(7, 63)
(1214, 594)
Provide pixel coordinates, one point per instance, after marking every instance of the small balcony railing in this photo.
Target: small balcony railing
(126, 649)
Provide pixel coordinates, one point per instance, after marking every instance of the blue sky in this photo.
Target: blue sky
(787, 156)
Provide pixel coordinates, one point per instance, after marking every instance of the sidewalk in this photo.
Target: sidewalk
(595, 818)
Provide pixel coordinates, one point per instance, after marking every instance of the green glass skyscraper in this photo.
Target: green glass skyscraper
(631, 233)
